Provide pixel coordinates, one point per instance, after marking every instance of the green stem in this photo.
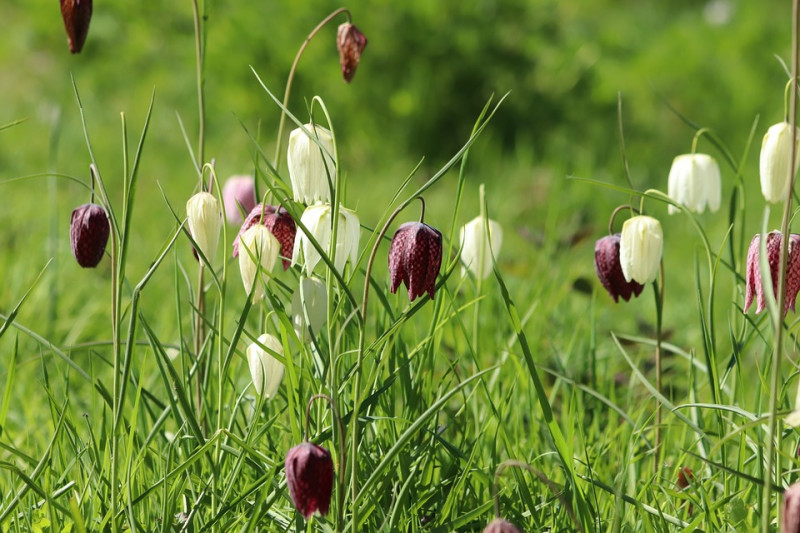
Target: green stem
(115, 335)
(659, 296)
(199, 28)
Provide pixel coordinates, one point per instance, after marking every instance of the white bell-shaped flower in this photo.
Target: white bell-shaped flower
(204, 219)
(477, 247)
(776, 154)
(310, 299)
(266, 371)
(258, 251)
(311, 167)
(317, 219)
(694, 181)
(640, 248)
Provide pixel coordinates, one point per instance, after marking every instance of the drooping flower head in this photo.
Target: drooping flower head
(203, 218)
(238, 195)
(351, 43)
(88, 234)
(776, 155)
(76, 14)
(415, 257)
(309, 300)
(790, 514)
(477, 247)
(499, 525)
(754, 281)
(265, 370)
(317, 219)
(259, 251)
(309, 475)
(640, 249)
(279, 222)
(694, 181)
(609, 270)
(311, 164)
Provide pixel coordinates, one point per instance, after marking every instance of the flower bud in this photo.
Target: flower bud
(203, 217)
(753, 280)
(238, 195)
(317, 219)
(415, 257)
(88, 234)
(310, 299)
(477, 248)
(640, 249)
(694, 181)
(350, 42)
(498, 525)
(266, 371)
(279, 222)
(310, 167)
(309, 475)
(259, 253)
(76, 14)
(790, 514)
(609, 269)
(776, 154)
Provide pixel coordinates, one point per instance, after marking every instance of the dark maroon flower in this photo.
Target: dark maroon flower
(415, 257)
(350, 42)
(309, 474)
(498, 525)
(790, 517)
(609, 269)
(76, 15)
(279, 222)
(754, 286)
(685, 477)
(88, 234)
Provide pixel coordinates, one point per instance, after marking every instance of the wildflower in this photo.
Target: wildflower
(793, 418)
(309, 475)
(238, 195)
(609, 269)
(415, 257)
(498, 525)
(266, 371)
(753, 280)
(309, 300)
(685, 477)
(311, 165)
(640, 249)
(88, 234)
(260, 253)
(776, 152)
(477, 248)
(76, 14)
(694, 181)
(203, 217)
(350, 42)
(790, 515)
(279, 222)
(317, 219)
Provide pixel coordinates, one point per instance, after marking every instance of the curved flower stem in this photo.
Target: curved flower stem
(342, 454)
(422, 212)
(699, 133)
(290, 79)
(614, 214)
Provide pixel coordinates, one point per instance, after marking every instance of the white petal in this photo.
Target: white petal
(265, 371)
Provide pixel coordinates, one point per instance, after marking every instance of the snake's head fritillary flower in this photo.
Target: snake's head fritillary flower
(694, 181)
(309, 475)
(203, 218)
(88, 234)
(258, 253)
(685, 477)
(265, 370)
(609, 269)
(279, 222)
(415, 257)
(76, 14)
(640, 248)
(776, 154)
(311, 164)
(239, 196)
(351, 43)
(477, 247)
(317, 219)
(309, 300)
(499, 525)
(790, 515)
(754, 283)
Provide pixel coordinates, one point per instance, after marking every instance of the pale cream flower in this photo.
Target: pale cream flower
(640, 249)
(694, 181)
(776, 152)
(317, 219)
(203, 217)
(310, 167)
(477, 247)
(258, 251)
(266, 371)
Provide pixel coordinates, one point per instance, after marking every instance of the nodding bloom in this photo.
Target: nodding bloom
(640, 248)
(203, 218)
(311, 165)
(265, 370)
(310, 299)
(694, 181)
(415, 257)
(76, 14)
(477, 247)
(279, 222)
(258, 254)
(498, 525)
(776, 154)
(309, 475)
(753, 280)
(790, 515)
(609, 270)
(317, 219)
(350, 42)
(239, 196)
(88, 234)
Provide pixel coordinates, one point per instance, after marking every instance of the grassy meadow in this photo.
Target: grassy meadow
(126, 399)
